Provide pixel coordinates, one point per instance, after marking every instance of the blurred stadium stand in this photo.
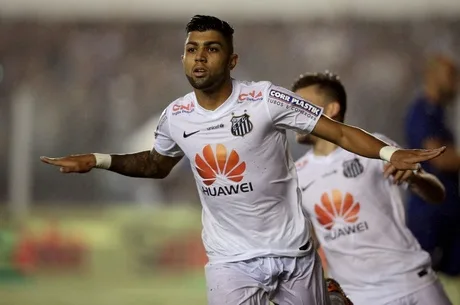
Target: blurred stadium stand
(99, 73)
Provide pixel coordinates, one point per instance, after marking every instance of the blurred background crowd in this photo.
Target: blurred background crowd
(100, 85)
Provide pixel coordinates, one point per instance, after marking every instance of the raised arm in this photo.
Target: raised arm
(362, 143)
(290, 111)
(156, 163)
(149, 164)
(145, 164)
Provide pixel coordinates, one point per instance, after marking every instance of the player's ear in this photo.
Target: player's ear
(332, 109)
(233, 61)
(182, 58)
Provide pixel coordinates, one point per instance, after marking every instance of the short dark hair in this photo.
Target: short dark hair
(327, 82)
(202, 23)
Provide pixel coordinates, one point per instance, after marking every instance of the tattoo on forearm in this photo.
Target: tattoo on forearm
(144, 164)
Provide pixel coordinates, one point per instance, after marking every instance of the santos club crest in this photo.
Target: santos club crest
(352, 168)
(241, 125)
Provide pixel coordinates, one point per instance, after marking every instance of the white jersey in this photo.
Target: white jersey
(244, 173)
(359, 220)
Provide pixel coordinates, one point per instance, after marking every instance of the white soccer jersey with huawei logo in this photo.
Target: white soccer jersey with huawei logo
(359, 220)
(244, 174)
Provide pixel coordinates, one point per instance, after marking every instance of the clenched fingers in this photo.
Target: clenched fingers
(399, 176)
(407, 175)
(388, 170)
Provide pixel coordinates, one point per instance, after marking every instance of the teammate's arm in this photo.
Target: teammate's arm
(424, 184)
(427, 186)
(364, 144)
(145, 164)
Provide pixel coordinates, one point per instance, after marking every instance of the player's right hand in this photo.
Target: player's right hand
(409, 159)
(73, 164)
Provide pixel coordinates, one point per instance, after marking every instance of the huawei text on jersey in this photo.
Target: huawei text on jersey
(339, 214)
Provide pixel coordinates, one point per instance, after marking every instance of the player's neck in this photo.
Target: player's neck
(211, 100)
(432, 94)
(323, 148)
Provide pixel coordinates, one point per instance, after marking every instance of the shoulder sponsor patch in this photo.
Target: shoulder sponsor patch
(253, 96)
(296, 102)
(183, 108)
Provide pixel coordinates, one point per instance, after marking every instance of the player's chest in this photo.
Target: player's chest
(241, 127)
(338, 183)
(341, 198)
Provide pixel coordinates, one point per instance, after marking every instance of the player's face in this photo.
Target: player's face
(448, 81)
(207, 60)
(312, 94)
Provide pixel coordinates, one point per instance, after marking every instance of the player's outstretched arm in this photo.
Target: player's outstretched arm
(145, 164)
(449, 161)
(362, 143)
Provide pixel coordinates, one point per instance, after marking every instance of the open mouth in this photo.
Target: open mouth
(199, 72)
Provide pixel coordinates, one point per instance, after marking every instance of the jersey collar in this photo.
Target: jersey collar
(222, 108)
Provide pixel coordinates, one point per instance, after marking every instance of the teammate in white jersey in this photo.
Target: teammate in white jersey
(358, 213)
(234, 134)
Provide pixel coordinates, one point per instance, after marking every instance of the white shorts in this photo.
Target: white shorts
(432, 294)
(282, 280)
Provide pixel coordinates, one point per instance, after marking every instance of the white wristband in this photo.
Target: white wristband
(386, 152)
(103, 160)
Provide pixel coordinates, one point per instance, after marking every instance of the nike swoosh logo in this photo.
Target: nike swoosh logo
(329, 173)
(307, 186)
(190, 134)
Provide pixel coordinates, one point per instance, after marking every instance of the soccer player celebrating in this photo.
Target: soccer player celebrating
(234, 134)
(356, 207)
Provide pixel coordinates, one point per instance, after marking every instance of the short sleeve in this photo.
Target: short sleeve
(289, 111)
(164, 144)
(386, 139)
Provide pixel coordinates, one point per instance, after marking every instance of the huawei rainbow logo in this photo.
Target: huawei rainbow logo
(336, 207)
(219, 164)
(338, 214)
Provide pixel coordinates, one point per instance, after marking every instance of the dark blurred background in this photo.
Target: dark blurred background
(92, 77)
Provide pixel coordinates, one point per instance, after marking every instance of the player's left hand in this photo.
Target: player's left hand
(409, 159)
(399, 176)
